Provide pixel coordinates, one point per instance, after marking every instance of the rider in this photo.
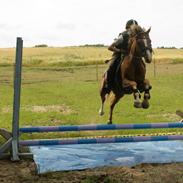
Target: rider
(119, 48)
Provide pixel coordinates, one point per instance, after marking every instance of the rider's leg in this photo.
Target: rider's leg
(111, 71)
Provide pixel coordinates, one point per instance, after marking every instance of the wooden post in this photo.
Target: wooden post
(16, 103)
(154, 67)
(97, 72)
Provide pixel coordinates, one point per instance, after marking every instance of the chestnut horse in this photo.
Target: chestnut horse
(132, 72)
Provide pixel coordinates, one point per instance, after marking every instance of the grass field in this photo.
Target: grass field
(61, 86)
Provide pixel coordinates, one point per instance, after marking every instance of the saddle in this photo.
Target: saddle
(115, 82)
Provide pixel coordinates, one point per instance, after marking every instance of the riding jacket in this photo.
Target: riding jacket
(122, 41)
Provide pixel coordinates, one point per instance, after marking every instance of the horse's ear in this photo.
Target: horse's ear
(148, 30)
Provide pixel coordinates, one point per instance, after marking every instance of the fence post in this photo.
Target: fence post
(16, 100)
(154, 67)
(97, 72)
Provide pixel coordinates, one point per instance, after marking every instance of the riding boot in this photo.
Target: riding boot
(111, 74)
(108, 80)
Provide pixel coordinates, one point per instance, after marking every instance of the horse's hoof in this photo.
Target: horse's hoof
(137, 104)
(101, 113)
(109, 122)
(145, 104)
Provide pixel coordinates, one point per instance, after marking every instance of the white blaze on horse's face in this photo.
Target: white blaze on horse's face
(148, 55)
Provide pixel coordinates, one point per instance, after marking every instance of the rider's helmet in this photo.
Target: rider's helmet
(131, 22)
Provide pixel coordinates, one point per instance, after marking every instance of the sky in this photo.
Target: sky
(79, 22)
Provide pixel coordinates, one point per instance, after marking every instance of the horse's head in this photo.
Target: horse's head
(142, 42)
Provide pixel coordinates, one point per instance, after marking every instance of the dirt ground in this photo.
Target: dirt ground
(25, 172)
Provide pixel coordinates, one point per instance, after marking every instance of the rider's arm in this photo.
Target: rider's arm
(113, 46)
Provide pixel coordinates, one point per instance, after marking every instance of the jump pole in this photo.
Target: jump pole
(65, 128)
(100, 140)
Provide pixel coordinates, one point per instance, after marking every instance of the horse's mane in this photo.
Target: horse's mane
(136, 29)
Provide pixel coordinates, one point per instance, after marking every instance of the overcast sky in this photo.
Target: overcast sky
(77, 22)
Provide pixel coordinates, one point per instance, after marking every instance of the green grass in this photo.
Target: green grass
(177, 60)
(59, 96)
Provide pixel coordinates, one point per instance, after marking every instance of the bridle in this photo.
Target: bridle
(141, 39)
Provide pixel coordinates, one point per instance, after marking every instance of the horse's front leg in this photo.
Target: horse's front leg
(147, 96)
(136, 93)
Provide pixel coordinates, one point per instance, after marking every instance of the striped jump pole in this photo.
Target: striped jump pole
(99, 140)
(66, 128)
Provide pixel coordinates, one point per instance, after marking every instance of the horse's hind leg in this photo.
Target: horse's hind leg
(103, 98)
(103, 94)
(114, 100)
(147, 87)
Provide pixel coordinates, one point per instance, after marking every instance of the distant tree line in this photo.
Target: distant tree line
(41, 45)
(165, 47)
(102, 45)
(86, 45)
(93, 45)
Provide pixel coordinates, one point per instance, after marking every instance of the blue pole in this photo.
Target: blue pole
(99, 140)
(65, 128)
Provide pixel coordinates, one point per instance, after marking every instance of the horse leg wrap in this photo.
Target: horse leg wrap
(136, 93)
(147, 94)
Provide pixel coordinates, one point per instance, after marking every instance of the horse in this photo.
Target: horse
(132, 72)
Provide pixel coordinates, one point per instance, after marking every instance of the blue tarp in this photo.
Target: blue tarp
(83, 156)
